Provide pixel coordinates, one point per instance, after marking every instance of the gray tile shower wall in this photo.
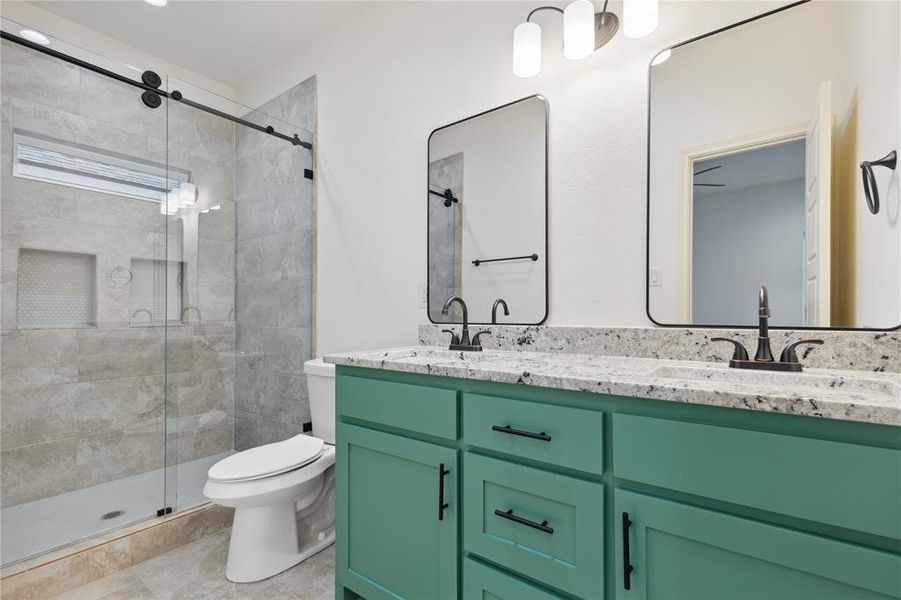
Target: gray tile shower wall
(85, 406)
(276, 233)
(445, 237)
(851, 350)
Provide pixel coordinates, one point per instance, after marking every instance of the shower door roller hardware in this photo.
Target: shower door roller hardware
(152, 79)
(151, 99)
(164, 511)
(308, 173)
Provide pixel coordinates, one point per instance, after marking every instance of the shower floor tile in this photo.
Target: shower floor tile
(42, 525)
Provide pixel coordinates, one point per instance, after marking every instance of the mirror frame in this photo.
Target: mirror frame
(547, 111)
(647, 269)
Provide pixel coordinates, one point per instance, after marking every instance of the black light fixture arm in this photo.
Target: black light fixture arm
(150, 84)
(606, 24)
(540, 8)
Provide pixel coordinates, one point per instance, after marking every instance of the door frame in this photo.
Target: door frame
(721, 148)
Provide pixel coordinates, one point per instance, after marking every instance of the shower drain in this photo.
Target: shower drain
(112, 514)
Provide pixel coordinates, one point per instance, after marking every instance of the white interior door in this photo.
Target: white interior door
(818, 206)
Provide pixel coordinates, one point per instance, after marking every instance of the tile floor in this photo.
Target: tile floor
(197, 571)
(42, 525)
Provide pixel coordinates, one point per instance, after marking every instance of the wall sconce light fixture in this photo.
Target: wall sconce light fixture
(584, 31)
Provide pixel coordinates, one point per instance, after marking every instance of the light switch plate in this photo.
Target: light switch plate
(655, 276)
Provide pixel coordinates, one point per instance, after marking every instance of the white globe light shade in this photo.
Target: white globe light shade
(526, 50)
(578, 30)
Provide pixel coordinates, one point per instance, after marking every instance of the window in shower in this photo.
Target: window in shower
(156, 292)
(76, 165)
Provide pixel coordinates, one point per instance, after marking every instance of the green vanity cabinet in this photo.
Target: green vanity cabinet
(719, 503)
(680, 551)
(394, 543)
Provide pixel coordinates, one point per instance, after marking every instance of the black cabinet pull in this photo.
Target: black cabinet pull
(535, 436)
(508, 514)
(442, 505)
(627, 566)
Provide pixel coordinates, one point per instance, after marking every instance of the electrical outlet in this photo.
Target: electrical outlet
(655, 276)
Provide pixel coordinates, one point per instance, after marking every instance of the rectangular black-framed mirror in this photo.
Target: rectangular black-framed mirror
(487, 215)
(771, 148)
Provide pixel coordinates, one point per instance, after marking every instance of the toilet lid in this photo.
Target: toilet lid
(271, 459)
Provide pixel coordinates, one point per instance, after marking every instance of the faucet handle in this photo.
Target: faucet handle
(454, 339)
(790, 356)
(740, 352)
(475, 339)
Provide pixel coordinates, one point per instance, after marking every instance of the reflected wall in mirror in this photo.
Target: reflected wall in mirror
(756, 138)
(487, 215)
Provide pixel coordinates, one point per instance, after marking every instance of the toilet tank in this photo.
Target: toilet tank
(321, 386)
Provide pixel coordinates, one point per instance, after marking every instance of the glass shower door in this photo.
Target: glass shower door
(84, 255)
(244, 249)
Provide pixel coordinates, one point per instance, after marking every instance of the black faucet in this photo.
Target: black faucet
(501, 302)
(463, 342)
(763, 358)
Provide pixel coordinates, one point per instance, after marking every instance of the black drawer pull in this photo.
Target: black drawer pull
(508, 514)
(627, 563)
(535, 436)
(442, 505)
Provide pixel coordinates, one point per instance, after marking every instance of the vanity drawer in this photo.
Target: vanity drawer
(545, 525)
(423, 409)
(847, 485)
(482, 582)
(557, 435)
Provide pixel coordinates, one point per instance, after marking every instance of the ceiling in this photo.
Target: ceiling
(768, 165)
(224, 40)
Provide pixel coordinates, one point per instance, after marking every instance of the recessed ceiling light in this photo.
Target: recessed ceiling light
(157, 2)
(662, 57)
(35, 36)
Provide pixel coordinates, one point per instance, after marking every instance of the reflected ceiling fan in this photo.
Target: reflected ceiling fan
(707, 170)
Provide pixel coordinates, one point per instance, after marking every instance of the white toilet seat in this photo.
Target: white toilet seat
(267, 460)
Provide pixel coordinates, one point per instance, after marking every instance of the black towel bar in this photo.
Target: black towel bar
(478, 261)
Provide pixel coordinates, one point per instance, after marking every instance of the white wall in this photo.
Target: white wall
(390, 74)
(503, 208)
(871, 100)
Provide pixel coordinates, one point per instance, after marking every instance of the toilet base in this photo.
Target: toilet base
(264, 543)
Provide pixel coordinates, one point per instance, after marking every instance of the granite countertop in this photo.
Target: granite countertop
(827, 393)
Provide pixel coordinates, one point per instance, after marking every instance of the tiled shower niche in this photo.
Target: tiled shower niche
(156, 291)
(55, 290)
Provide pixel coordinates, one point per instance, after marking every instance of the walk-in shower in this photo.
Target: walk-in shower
(157, 288)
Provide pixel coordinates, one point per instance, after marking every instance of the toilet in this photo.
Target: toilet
(283, 493)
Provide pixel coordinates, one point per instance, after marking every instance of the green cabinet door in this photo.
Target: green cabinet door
(678, 552)
(394, 540)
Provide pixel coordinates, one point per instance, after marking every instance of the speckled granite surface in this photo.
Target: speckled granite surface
(834, 394)
(846, 350)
